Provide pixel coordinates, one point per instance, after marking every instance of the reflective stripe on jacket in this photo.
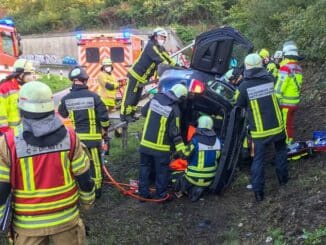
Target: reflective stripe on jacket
(202, 165)
(161, 133)
(43, 181)
(146, 64)
(256, 94)
(107, 88)
(9, 112)
(289, 82)
(87, 113)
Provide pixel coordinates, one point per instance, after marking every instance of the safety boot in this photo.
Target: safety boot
(259, 195)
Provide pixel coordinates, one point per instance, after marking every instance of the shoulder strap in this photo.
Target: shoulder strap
(9, 137)
(73, 136)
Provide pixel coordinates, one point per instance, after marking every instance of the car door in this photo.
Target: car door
(231, 149)
(214, 50)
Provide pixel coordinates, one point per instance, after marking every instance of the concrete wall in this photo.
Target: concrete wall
(63, 44)
(59, 45)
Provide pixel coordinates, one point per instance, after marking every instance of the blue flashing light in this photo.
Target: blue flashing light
(233, 63)
(79, 36)
(126, 34)
(7, 22)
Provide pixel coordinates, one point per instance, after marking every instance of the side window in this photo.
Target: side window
(213, 56)
(7, 43)
(117, 55)
(92, 55)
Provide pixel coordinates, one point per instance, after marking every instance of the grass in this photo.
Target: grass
(315, 237)
(230, 237)
(241, 180)
(116, 151)
(124, 163)
(55, 82)
(277, 236)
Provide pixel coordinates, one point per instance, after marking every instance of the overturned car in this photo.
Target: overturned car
(214, 53)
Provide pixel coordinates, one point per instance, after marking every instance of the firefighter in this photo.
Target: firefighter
(108, 86)
(256, 94)
(89, 116)
(288, 87)
(264, 54)
(277, 58)
(9, 89)
(202, 163)
(45, 168)
(274, 65)
(161, 135)
(140, 73)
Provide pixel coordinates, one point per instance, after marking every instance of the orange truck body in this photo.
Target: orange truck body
(122, 49)
(9, 47)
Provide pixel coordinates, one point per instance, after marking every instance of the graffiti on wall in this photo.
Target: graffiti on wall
(43, 58)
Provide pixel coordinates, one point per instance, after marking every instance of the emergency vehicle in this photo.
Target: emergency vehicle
(9, 46)
(122, 48)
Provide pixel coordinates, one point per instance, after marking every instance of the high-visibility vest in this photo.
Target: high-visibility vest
(289, 82)
(44, 189)
(107, 96)
(202, 165)
(9, 112)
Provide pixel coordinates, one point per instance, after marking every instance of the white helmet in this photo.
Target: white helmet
(253, 61)
(159, 31)
(278, 54)
(290, 49)
(35, 97)
(23, 65)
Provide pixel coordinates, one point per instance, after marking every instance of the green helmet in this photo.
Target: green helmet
(23, 65)
(205, 122)
(106, 62)
(179, 90)
(253, 61)
(35, 97)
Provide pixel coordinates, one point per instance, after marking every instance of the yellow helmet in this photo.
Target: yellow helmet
(106, 62)
(35, 97)
(264, 53)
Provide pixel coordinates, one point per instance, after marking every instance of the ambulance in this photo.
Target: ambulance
(9, 46)
(122, 48)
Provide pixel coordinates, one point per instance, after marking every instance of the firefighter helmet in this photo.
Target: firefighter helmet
(78, 73)
(106, 62)
(205, 122)
(264, 53)
(290, 49)
(278, 54)
(179, 90)
(159, 31)
(253, 61)
(23, 65)
(36, 97)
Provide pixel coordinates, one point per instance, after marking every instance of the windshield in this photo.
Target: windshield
(239, 53)
(223, 89)
(7, 43)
